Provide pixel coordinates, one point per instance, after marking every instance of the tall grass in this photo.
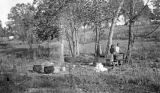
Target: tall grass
(121, 79)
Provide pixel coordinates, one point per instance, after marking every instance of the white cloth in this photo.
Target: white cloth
(11, 37)
(117, 49)
(100, 68)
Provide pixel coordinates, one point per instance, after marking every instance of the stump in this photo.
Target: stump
(37, 68)
(48, 69)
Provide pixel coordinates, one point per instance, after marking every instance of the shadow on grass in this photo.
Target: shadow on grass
(13, 83)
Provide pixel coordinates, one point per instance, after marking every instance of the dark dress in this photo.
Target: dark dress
(112, 51)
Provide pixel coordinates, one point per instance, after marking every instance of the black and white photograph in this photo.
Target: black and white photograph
(79, 46)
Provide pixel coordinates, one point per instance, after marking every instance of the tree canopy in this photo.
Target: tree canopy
(21, 19)
(156, 12)
(45, 18)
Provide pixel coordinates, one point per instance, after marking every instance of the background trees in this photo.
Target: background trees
(71, 21)
(47, 26)
(21, 20)
(156, 12)
(2, 32)
(133, 9)
(115, 11)
(62, 19)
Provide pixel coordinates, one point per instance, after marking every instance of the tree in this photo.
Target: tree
(71, 22)
(146, 12)
(112, 27)
(133, 9)
(2, 31)
(156, 12)
(95, 13)
(48, 25)
(124, 7)
(21, 20)
(46, 20)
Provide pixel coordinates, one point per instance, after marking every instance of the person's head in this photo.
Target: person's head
(112, 46)
(117, 44)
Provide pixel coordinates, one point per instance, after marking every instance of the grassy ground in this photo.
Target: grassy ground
(142, 76)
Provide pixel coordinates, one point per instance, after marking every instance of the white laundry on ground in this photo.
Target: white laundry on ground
(11, 37)
(100, 68)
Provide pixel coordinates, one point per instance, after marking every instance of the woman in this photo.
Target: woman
(112, 51)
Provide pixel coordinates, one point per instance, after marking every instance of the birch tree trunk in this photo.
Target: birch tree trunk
(97, 47)
(112, 28)
(62, 50)
(69, 43)
(74, 40)
(77, 42)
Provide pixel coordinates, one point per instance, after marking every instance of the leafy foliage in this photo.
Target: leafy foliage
(2, 30)
(47, 15)
(156, 4)
(48, 32)
(21, 19)
(137, 6)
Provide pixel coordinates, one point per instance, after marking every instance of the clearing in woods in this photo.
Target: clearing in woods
(141, 77)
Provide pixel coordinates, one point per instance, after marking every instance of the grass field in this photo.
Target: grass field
(142, 76)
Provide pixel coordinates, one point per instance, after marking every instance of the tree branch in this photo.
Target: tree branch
(154, 30)
(138, 14)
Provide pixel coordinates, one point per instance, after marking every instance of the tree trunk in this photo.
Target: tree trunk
(29, 42)
(130, 39)
(69, 42)
(109, 43)
(48, 48)
(112, 28)
(62, 51)
(61, 40)
(97, 39)
(74, 44)
(130, 43)
(77, 42)
(74, 39)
